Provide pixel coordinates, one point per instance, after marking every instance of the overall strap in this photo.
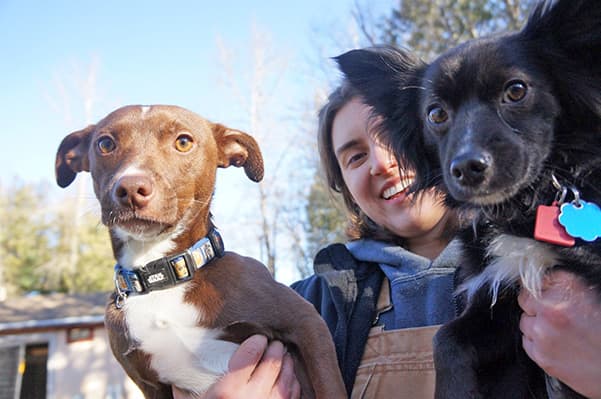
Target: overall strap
(354, 289)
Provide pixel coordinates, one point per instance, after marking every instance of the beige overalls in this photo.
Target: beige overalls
(396, 363)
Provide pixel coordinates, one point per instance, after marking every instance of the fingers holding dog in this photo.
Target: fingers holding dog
(287, 385)
(560, 331)
(546, 317)
(246, 358)
(257, 370)
(267, 370)
(273, 377)
(526, 302)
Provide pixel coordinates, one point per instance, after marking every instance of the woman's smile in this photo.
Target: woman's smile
(399, 188)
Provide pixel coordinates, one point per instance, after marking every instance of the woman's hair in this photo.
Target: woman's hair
(359, 224)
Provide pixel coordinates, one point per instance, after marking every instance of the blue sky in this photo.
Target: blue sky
(158, 52)
(145, 52)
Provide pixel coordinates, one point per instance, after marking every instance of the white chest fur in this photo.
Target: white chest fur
(164, 326)
(184, 354)
(515, 259)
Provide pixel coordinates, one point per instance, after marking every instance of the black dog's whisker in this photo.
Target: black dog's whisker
(505, 114)
(413, 87)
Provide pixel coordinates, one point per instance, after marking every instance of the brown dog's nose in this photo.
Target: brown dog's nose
(133, 191)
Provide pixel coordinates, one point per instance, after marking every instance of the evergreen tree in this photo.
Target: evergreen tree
(34, 248)
(92, 267)
(326, 217)
(24, 243)
(431, 27)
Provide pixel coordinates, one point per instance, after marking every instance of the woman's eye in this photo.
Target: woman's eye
(515, 91)
(353, 159)
(184, 143)
(106, 145)
(437, 115)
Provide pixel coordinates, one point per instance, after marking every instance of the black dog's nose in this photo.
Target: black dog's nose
(470, 168)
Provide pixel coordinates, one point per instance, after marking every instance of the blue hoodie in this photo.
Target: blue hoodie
(345, 288)
(421, 290)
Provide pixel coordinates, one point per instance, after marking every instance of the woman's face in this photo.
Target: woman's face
(378, 187)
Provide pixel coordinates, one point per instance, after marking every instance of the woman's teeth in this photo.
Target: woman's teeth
(399, 187)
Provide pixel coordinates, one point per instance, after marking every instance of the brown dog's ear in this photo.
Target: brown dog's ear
(239, 149)
(72, 156)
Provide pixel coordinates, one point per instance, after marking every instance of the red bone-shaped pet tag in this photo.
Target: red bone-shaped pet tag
(548, 229)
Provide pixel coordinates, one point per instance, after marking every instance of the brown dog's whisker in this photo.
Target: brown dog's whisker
(175, 286)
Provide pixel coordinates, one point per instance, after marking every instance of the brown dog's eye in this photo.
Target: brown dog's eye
(183, 143)
(106, 145)
(437, 115)
(515, 91)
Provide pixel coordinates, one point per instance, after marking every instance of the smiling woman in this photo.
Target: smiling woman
(378, 187)
(396, 274)
(385, 293)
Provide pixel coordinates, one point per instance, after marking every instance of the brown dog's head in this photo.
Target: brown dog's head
(154, 167)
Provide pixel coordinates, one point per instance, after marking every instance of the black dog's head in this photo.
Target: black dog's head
(494, 117)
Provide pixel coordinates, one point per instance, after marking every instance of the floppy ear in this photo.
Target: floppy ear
(239, 149)
(565, 36)
(384, 76)
(72, 156)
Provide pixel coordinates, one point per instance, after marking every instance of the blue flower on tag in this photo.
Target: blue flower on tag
(582, 221)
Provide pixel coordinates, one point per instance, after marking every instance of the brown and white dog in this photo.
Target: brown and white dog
(181, 304)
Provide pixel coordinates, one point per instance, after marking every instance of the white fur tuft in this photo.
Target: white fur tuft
(145, 110)
(514, 259)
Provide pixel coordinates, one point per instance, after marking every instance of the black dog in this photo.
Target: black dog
(506, 125)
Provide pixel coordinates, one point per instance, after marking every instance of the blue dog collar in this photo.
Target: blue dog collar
(168, 271)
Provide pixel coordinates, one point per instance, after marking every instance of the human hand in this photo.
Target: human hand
(561, 331)
(257, 371)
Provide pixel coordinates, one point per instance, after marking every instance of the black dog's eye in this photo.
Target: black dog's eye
(515, 91)
(437, 115)
(106, 145)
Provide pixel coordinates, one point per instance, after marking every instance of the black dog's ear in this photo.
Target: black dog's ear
(566, 35)
(382, 75)
(389, 80)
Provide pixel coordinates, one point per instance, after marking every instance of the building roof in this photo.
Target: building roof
(51, 311)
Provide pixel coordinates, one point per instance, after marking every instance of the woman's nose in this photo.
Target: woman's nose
(381, 160)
